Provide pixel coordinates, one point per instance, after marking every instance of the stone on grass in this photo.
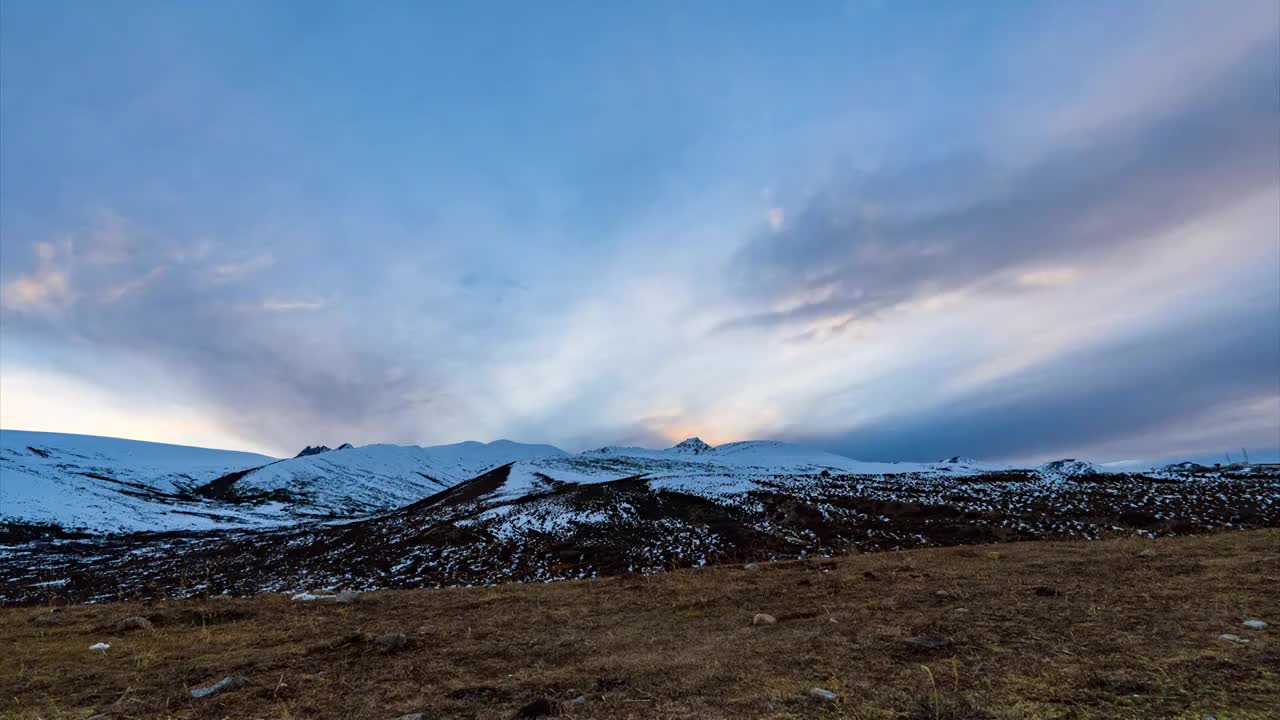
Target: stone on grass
(763, 619)
(347, 597)
(412, 716)
(751, 566)
(822, 694)
(580, 700)
(44, 619)
(1228, 637)
(1255, 624)
(387, 644)
(226, 684)
(134, 622)
(100, 646)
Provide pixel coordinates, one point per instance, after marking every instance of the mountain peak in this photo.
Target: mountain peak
(693, 445)
(309, 450)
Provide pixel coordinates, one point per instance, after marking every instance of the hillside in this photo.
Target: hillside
(100, 484)
(1120, 629)
(77, 484)
(557, 518)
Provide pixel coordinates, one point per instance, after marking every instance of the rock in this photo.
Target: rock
(927, 643)
(942, 595)
(347, 597)
(135, 622)
(387, 644)
(580, 700)
(822, 694)
(226, 684)
(410, 716)
(1228, 637)
(751, 566)
(308, 597)
(764, 619)
(46, 619)
(100, 646)
(1255, 624)
(541, 707)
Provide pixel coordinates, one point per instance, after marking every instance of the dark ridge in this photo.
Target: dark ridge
(309, 450)
(465, 491)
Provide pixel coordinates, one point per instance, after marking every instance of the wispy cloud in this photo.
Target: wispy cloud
(47, 288)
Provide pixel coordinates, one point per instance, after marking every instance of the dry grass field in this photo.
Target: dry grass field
(1112, 629)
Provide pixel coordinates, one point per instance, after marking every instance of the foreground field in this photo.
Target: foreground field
(1113, 629)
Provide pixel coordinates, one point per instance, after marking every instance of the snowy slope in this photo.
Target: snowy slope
(380, 477)
(85, 482)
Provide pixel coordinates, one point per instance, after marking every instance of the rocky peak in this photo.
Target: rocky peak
(693, 446)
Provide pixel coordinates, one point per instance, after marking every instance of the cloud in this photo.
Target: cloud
(45, 289)
(868, 242)
(293, 305)
(1133, 393)
(234, 271)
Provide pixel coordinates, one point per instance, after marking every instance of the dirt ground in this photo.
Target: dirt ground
(1112, 629)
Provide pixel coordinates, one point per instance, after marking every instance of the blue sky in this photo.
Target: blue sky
(894, 230)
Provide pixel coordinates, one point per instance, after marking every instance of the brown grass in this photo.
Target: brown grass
(1115, 629)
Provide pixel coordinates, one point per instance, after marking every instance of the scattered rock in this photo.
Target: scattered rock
(764, 619)
(135, 622)
(1228, 637)
(1255, 624)
(100, 646)
(751, 566)
(927, 643)
(580, 700)
(226, 684)
(46, 619)
(822, 694)
(1047, 591)
(347, 597)
(942, 595)
(387, 644)
(541, 707)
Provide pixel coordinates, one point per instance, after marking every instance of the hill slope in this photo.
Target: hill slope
(90, 483)
(361, 480)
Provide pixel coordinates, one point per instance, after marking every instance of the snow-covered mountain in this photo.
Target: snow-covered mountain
(356, 480)
(82, 483)
(85, 482)
(626, 511)
(107, 485)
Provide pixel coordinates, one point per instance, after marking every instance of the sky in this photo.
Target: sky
(893, 230)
